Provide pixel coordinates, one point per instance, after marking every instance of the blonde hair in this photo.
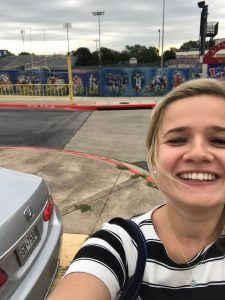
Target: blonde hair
(191, 88)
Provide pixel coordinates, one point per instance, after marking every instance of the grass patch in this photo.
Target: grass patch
(152, 184)
(83, 207)
(121, 167)
(144, 176)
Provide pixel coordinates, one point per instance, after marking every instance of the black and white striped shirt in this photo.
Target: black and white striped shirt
(110, 254)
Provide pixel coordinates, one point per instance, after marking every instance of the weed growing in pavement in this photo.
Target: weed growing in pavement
(83, 207)
(121, 167)
(152, 184)
(144, 176)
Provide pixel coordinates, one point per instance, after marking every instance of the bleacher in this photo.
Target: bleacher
(51, 62)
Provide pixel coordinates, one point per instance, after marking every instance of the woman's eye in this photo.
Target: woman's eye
(177, 141)
(220, 142)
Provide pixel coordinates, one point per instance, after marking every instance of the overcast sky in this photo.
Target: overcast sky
(125, 22)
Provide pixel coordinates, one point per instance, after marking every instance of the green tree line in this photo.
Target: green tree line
(143, 54)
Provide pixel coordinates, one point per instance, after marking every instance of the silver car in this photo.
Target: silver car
(30, 235)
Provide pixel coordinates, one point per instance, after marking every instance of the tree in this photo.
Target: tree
(24, 53)
(194, 45)
(124, 56)
(83, 55)
(142, 53)
(94, 58)
(109, 56)
(169, 54)
(189, 46)
(152, 55)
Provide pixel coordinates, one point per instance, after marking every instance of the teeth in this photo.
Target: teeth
(198, 176)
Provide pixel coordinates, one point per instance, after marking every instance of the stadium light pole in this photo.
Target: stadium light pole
(159, 39)
(99, 14)
(163, 33)
(45, 49)
(96, 42)
(67, 26)
(22, 34)
(31, 55)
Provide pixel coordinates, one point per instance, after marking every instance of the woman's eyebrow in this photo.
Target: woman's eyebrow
(176, 130)
(217, 128)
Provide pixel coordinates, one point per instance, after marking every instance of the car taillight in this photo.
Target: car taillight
(3, 277)
(48, 210)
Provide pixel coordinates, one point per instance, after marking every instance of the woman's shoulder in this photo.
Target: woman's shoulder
(144, 221)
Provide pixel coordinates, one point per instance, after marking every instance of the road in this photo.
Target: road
(39, 128)
(75, 180)
(116, 134)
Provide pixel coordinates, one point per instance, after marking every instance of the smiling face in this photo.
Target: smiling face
(191, 152)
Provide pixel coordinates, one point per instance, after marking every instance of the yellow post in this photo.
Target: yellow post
(69, 67)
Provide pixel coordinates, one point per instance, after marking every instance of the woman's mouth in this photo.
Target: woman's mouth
(197, 176)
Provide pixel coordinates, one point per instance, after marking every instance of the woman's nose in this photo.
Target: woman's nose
(198, 151)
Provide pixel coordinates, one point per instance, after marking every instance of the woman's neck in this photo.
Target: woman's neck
(200, 224)
(191, 233)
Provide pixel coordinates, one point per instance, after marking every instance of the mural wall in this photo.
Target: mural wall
(216, 71)
(112, 82)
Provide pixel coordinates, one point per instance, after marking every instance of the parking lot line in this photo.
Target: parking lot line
(71, 243)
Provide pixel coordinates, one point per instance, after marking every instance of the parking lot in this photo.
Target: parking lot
(81, 164)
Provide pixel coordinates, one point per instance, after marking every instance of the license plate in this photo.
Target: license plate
(27, 245)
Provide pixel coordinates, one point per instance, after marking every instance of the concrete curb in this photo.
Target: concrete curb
(79, 106)
(128, 167)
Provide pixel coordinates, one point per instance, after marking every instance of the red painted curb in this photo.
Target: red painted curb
(77, 106)
(91, 156)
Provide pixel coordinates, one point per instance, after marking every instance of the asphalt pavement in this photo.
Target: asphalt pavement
(90, 187)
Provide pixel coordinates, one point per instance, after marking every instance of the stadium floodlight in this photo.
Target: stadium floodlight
(163, 18)
(22, 32)
(67, 26)
(99, 14)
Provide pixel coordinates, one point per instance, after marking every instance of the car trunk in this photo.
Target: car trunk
(19, 206)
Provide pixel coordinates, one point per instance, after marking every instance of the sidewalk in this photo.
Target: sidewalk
(88, 189)
(87, 103)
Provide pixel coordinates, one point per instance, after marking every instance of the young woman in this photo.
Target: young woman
(184, 237)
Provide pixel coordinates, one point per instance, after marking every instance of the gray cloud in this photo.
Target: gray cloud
(126, 22)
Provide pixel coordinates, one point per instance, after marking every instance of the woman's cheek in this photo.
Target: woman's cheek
(167, 158)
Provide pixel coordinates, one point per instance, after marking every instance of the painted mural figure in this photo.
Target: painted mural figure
(5, 84)
(124, 84)
(159, 83)
(116, 83)
(4, 79)
(177, 78)
(93, 85)
(78, 85)
(56, 85)
(139, 78)
(220, 74)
